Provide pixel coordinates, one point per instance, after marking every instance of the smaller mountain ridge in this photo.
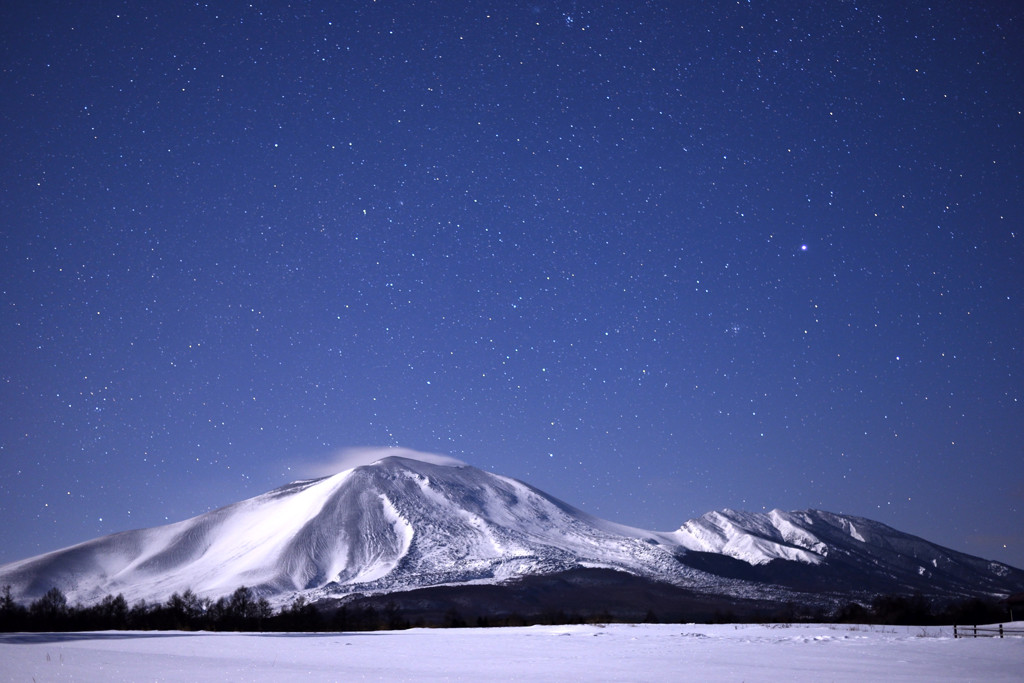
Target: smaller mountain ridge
(849, 553)
(401, 524)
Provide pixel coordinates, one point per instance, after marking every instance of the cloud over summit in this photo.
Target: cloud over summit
(348, 458)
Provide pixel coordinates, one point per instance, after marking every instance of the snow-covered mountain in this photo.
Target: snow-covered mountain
(401, 524)
(817, 550)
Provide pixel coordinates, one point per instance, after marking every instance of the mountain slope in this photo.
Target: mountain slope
(848, 554)
(401, 524)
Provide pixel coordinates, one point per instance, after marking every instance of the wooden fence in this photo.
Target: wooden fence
(985, 631)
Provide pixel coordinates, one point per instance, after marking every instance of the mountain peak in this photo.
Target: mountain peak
(400, 521)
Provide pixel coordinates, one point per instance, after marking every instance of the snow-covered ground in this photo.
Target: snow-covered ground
(662, 652)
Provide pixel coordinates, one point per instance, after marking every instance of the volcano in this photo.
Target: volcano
(402, 524)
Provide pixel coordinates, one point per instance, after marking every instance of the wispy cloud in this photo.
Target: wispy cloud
(347, 458)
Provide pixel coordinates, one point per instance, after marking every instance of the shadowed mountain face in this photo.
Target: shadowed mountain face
(402, 524)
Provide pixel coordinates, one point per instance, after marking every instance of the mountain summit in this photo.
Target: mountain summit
(402, 524)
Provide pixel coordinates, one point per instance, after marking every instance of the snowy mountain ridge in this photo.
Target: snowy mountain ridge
(401, 524)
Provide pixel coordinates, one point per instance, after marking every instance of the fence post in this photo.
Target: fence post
(954, 632)
(1000, 630)
(975, 630)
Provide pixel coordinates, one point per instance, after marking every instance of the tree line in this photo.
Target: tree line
(918, 610)
(244, 611)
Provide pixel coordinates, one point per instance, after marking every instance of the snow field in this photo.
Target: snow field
(618, 652)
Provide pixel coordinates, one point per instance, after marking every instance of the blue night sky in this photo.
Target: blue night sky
(654, 258)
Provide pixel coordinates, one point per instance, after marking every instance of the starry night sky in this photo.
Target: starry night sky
(654, 258)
